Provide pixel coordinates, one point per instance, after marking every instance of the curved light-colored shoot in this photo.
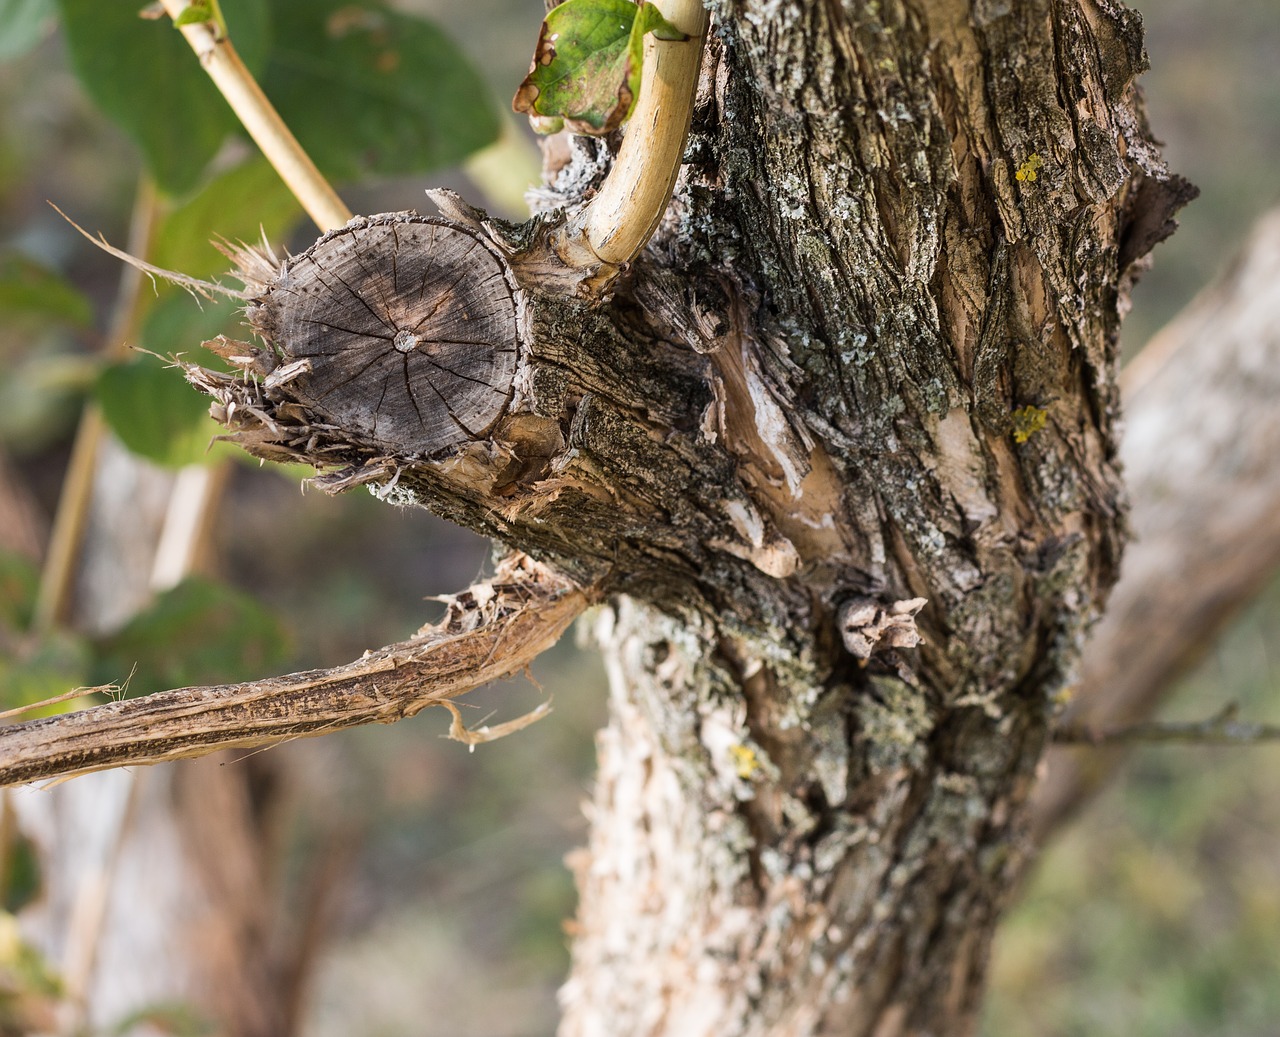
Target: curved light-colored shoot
(620, 219)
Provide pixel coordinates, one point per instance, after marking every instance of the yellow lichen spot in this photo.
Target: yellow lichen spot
(1029, 168)
(1027, 421)
(745, 760)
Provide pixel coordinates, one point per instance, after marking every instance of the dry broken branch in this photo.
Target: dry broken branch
(490, 631)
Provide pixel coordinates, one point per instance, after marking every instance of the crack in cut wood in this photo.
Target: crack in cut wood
(418, 369)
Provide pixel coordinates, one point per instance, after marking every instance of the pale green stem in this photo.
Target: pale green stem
(618, 222)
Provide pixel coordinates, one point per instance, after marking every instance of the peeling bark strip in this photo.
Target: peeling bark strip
(491, 631)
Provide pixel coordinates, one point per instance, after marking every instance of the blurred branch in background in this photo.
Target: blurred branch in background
(1203, 435)
(74, 502)
(1223, 729)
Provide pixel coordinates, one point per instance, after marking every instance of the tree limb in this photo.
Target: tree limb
(618, 222)
(490, 631)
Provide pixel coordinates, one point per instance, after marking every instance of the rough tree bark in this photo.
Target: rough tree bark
(868, 359)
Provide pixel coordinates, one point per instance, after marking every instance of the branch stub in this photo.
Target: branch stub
(409, 328)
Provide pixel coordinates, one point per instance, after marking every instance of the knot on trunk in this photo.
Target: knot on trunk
(869, 626)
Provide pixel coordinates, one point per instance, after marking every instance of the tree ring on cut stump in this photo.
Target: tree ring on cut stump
(412, 326)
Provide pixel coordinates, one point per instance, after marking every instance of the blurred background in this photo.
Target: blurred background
(444, 891)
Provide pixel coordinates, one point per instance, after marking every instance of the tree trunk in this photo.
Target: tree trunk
(921, 216)
(867, 360)
(928, 212)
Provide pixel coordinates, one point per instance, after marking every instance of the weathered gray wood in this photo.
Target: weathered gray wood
(490, 631)
(409, 328)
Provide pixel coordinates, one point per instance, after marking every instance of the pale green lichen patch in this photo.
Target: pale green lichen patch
(894, 724)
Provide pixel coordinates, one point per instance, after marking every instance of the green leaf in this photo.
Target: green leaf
(369, 90)
(200, 632)
(40, 395)
(173, 1019)
(23, 24)
(144, 76)
(29, 289)
(587, 65)
(239, 205)
(26, 971)
(156, 413)
(194, 14)
(178, 324)
(20, 872)
(19, 583)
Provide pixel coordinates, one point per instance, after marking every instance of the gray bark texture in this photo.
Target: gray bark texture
(868, 359)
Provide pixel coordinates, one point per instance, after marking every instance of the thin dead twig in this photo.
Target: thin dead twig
(1222, 729)
(525, 607)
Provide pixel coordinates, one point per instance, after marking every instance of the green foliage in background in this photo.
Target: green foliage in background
(30, 291)
(30, 993)
(200, 632)
(23, 24)
(367, 90)
(142, 74)
(155, 413)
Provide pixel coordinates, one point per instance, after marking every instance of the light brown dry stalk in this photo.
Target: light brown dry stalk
(58, 575)
(525, 608)
(262, 122)
(619, 220)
